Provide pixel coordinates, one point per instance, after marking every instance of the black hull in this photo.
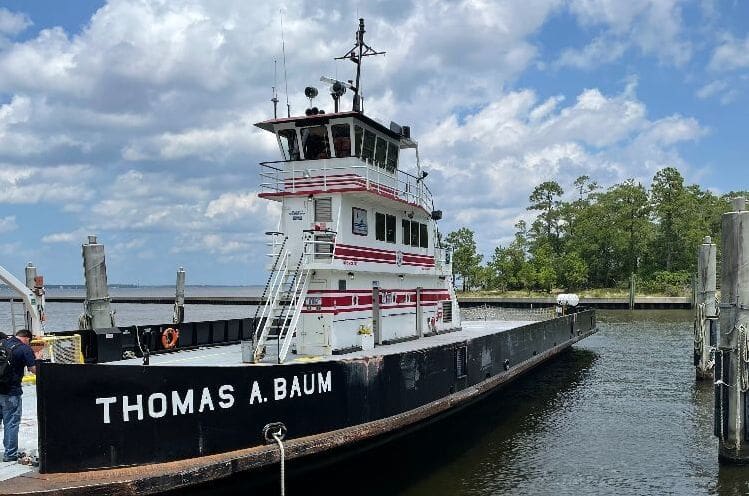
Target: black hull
(328, 407)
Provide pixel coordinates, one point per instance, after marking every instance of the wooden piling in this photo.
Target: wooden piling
(97, 312)
(732, 370)
(705, 309)
(632, 291)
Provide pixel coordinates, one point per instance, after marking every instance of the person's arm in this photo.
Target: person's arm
(30, 359)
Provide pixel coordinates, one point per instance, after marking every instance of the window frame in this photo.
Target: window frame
(366, 222)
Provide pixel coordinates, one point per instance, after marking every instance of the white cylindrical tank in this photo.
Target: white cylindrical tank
(568, 299)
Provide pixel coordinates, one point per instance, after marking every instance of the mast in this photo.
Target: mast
(355, 55)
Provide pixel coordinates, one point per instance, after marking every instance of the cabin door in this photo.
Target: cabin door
(314, 337)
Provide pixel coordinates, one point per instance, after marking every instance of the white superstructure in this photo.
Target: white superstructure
(357, 242)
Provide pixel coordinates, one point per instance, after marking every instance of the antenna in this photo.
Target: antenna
(275, 93)
(355, 55)
(285, 78)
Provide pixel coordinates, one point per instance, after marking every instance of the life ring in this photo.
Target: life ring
(169, 338)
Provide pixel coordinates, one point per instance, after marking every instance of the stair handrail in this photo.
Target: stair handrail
(263, 298)
(272, 302)
(294, 303)
(300, 295)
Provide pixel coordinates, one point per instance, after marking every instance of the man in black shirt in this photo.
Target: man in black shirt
(10, 395)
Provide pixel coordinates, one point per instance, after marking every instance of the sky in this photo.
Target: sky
(133, 119)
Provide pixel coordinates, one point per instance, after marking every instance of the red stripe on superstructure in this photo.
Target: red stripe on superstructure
(366, 254)
(371, 189)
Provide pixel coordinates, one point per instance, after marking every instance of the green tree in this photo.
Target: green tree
(573, 271)
(544, 267)
(546, 198)
(668, 200)
(506, 265)
(466, 260)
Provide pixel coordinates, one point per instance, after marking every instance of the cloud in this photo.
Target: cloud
(77, 236)
(58, 184)
(12, 23)
(731, 54)
(8, 224)
(139, 127)
(488, 164)
(655, 27)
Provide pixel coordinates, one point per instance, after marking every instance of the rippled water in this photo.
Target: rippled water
(620, 413)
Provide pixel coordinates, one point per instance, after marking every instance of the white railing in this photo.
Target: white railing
(343, 173)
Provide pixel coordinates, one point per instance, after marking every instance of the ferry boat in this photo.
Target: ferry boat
(360, 338)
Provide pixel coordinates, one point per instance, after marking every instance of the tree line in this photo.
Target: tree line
(599, 238)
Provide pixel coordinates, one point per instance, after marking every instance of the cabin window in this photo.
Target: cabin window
(414, 233)
(289, 145)
(341, 139)
(315, 142)
(406, 224)
(423, 236)
(385, 227)
(359, 221)
(323, 210)
(341, 284)
(390, 226)
(380, 227)
(358, 135)
(368, 147)
(381, 152)
(392, 161)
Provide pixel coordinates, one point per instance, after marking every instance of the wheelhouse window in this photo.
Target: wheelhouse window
(381, 152)
(368, 147)
(289, 144)
(385, 227)
(392, 160)
(359, 221)
(358, 136)
(341, 139)
(315, 142)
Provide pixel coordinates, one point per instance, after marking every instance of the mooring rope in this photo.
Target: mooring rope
(743, 356)
(699, 327)
(278, 436)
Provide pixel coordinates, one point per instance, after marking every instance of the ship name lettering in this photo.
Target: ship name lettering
(156, 405)
(305, 385)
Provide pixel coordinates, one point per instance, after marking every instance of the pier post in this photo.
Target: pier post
(632, 290)
(30, 276)
(179, 297)
(97, 313)
(731, 368)
(706, 311)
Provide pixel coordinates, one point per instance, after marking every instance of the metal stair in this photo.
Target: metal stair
(284, 299)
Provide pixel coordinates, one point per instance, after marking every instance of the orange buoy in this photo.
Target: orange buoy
(169, 338)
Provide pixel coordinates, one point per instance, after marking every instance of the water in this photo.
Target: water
(620, 413)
